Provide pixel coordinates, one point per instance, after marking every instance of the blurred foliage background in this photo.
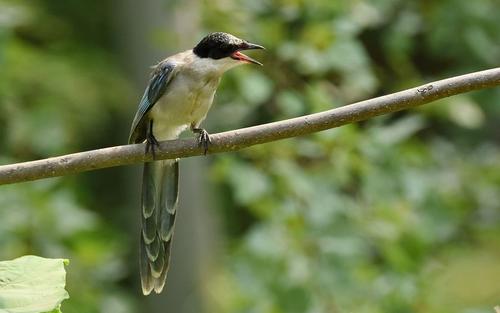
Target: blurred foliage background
(397, 214)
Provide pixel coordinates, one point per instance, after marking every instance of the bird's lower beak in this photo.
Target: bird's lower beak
(245, 58)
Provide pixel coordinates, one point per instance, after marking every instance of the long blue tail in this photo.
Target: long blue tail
(160, 194)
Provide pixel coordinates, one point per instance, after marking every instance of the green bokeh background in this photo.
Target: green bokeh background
(397, 214)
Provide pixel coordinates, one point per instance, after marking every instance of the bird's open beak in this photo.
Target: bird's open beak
(243, 57)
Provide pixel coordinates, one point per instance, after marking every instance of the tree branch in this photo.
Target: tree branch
(245, 137)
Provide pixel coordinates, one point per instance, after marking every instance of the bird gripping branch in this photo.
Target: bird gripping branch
(179, 94)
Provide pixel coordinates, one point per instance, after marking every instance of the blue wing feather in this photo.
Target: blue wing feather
(161, 77)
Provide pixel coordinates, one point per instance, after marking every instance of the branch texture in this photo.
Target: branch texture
(245, 137)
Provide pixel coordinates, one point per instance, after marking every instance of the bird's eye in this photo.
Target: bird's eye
(222, 51)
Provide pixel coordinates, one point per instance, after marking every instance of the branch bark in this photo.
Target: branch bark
(245, 137)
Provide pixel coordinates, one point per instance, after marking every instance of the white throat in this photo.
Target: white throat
(217, 67)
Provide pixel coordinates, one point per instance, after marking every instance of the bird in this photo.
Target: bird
(179, 95)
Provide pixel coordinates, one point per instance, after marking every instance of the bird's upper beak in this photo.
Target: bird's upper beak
(243, 57)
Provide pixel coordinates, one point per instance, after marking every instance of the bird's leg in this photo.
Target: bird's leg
(203, 138)
(151, 141)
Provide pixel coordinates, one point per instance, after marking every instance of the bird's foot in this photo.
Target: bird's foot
(203, 139)
(151, 143)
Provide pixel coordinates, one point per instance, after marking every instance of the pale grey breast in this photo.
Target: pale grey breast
(187, 98)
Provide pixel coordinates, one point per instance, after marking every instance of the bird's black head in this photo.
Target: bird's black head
(221, 45)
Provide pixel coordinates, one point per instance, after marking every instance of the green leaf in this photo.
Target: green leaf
(32, 284)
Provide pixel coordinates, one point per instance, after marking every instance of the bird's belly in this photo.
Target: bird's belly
(182, 105)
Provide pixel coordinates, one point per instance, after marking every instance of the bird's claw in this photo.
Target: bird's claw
(203, 139)
(151, 143)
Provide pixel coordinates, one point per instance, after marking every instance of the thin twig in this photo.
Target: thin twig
(245, 137)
